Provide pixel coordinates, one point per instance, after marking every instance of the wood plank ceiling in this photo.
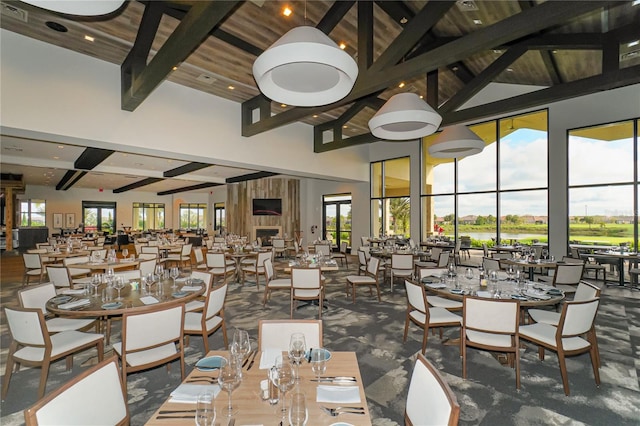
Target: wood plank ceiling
(446, 51)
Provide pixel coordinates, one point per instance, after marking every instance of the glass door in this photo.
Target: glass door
(99, 217)
(337, 218)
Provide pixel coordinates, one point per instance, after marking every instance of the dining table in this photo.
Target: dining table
(615, 256)
(530, 265)
(325, 266)
(74, 304)
(249, 405)
(103, 265)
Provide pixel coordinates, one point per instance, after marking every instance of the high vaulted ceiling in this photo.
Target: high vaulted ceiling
(446, 51)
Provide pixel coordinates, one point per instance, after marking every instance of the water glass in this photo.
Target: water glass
(205, 409)
(318, 362)
(298, 410)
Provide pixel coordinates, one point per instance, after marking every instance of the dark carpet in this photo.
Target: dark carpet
(374, 331)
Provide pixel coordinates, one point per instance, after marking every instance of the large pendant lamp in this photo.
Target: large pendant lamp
(305, 68)
(456, 142)
(78, 7)
(404, 116)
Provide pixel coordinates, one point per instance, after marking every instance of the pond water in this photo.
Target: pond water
(486, 236)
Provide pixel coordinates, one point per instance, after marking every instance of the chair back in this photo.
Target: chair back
(97, 393)
(31, 260)
(197, 254)
(147, 266)
(402, 261)
(167, 325)
(186, 250)
(277, 243)
(501, 256)
(569, 259)
(490, 264)
(491, 315)
(364, 241)
(150, 249)
(430, 400)
(372, 266)
(268, 270)
(275, 334)
(216, 260)
(586, 291)
(416, 297)
(324, 249)
(129, 275)
(36, 296)
(485, 250)
(443, 260)
(306, 278)
(75, 260)
(343, 247)
(577, 318)
(262, 256)
(568, 273)
(435, 252)
(204, 276)
(215, 302)
(362, 259)
(99, 254)
(59, 276)
(27, 327)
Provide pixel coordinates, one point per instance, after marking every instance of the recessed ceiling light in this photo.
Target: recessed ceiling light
(477, 21)
(345, 127)
(124, 154)
(89, 38)
(509, 69)
(497, 51)
(401, 85)
(421, 97)
(231, 87)
(174, 68)
(61, 146)
(404, 20)
(342, 46)
(286, 11)
(55, 157)
(633, 43)
(315, 115)
(283, 105)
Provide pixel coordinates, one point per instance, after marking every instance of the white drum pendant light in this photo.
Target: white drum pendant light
(305, 68)
(404, 116)
(78, 7)
(456, 142)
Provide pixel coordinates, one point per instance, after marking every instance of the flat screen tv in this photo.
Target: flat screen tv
(267, 207)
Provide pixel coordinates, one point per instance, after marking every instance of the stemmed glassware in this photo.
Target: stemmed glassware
(125, 253)
(118, 283)
(283, 376)
(240, 345)
(205, 409)
(96, 280)
(150, 280)
(297, 348)
(318, 362)
(298, 410)
(468, 274)
(510, 272)
(229, 378)
(174, 273)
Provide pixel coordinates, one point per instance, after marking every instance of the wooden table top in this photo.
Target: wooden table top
(131, 300)
(252, 410)
(104, 265)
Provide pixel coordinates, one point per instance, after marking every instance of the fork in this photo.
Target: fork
(342, 410)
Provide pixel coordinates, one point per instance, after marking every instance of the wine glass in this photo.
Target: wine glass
(283, 376)
(297, 348)
(229, 378)
(174, 273)
(96, 280)
(109, 274)
(468, 274)
(125, 253)
(452, 269)
(510, 272)
(205, 409)
(118, 283)
(150, 279)
(298, 410)
(240, 345)
(318, 362)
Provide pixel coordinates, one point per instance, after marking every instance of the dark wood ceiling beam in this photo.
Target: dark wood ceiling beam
(334, 15)
(575, 41)
(189, 34)
(513, 28)
(482, 79)
(583, 87)
(187, 168)
(413, 32)
(250, 176)
(91, 157)
(190, 188)
(79, 175)
(135, 185)
(365, 35)
(546, 56)
(69, 179)
(610, 54)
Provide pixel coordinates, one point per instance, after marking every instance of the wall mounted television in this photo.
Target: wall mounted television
(267, 207)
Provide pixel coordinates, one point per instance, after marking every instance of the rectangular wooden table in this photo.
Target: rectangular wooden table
(252, 410)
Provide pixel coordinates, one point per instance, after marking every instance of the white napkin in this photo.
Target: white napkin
(188, 392)
(74, 291)
(181, 280)
(268, 358)
(191, 288)
(537, 294)
(484, 293)
(74, 304)
(148, 300)
(338, 394)
(437, 285)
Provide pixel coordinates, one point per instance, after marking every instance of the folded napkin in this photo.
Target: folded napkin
(191, 287)
(484, 293)
(437, 285)
(542, 295)
(268, 358)
(181, 280)
(74, 291)
(338, 394)
(188, 392)
(148, 300)
(75, 304)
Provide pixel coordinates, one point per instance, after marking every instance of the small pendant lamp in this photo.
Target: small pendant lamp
(404, 116)
(305, 68)
(456, 142)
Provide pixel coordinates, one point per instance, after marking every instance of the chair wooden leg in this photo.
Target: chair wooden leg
(43, 378)
(406, 329)
(224, 335)
(205, 339)
(425, 337)
(516, 355)
(378, 290)
(563, 372)
(541, 353)
(8, 369)
(594, 343)
(594, 364)
(353, 291)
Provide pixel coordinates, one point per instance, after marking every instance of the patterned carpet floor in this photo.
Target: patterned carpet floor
(374, 331)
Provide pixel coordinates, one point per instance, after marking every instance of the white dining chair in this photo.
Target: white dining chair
(219, 267)
(33, 346)
(272, 282)
(95, 396)
(438, 301)
(342, 254)
(276, 334)
(424, 317)
(147, 266)
(258, 268)
(32, 267)
(59, 276)
(133, 274)
(430, 400)
(567, 276)
(401, 266)
(370, 279)
(306, 285)
(199, 304)
(210, 319)
(573, 335)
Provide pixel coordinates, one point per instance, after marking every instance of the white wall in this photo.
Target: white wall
(59, 95)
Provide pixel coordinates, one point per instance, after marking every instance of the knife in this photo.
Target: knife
(252, 360)
(247, 359)
(337, 380)
(309, 357)
(176, 411)
(191, 416)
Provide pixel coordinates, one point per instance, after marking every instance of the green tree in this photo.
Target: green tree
(590, 220)
(400, 211)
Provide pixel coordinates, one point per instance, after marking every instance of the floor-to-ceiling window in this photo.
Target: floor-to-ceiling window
(390, 198)
(219, 216)
(193, 216)
(148, 216)
(499, 194)
(99, 216)
(337, 218)
(603, 184)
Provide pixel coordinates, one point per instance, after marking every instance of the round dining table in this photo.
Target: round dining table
(133, 297)
(530, 265)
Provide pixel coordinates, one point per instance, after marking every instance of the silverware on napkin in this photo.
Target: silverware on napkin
(252, 360)
(246, 360)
